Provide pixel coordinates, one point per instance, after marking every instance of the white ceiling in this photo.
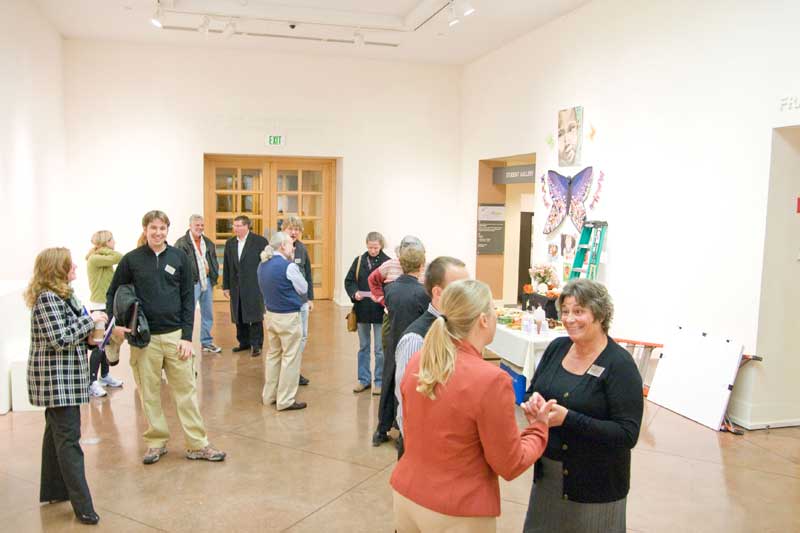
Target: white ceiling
(388, 22)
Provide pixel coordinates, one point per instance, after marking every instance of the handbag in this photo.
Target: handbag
(352, 319)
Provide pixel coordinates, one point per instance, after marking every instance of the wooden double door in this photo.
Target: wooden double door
(268, 190)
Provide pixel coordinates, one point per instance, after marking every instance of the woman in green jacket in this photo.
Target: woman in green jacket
(100, 267)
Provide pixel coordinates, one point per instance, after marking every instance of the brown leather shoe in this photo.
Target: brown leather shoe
(296, 406)
(360, 387)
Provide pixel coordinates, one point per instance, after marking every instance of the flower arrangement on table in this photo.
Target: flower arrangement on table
(544, 273)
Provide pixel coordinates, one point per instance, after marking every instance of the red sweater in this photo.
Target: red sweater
(457, 444)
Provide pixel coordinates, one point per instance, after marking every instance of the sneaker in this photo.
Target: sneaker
(110, 381)
(376, 391)
(152, 455)
(206, 454)
(96, 390)
(211, 347)
(360, 387)
(379, 438)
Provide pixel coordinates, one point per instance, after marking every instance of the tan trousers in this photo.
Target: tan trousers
(410, 517)
(282, 361)
(146, 363)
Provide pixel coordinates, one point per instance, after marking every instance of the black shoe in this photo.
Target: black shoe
(303, 380)
(256, 352)
(240, 349)
(90, 518)
(296, 406)
(379, 438)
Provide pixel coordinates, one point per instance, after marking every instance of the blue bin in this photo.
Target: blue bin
(518, 383)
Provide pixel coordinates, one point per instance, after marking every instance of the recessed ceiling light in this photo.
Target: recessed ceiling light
(452, 18)
(204, 26)
(468, 9)
(230, 29)
(157, 16)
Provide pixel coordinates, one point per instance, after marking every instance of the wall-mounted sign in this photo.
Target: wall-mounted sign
(789, 103)
(515, 174)
(276, 140)
(491, 229)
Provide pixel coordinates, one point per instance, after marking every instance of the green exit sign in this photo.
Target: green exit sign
(276, 140)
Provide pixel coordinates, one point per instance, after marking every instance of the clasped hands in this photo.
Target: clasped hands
(537, 409)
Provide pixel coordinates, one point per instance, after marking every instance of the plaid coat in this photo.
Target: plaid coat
(58, 372)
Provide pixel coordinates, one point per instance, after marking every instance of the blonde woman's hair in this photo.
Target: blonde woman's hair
(100, 239)
(461, 305)
(277, 240)
(50, 273)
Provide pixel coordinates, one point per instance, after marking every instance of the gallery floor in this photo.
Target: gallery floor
(316, 470)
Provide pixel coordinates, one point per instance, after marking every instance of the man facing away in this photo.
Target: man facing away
(240, 285)
(440, 273)
(162, 278)
(205, 273)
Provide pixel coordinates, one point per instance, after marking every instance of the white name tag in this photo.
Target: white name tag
(170, 270)
(298, 261)
(595, 371)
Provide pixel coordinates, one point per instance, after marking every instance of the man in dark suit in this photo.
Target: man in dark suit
(240, 285)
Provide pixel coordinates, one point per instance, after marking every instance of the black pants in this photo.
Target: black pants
(249, 333)
(387, 408)
(63, 475)
(97, 360)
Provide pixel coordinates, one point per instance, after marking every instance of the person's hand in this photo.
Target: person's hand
(227, 293)
(119, 333)
(358, 297)
(310, 306)
(184, 349)
(557, 415)
(98, 316)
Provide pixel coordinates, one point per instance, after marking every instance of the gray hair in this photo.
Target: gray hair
(594, 296)
(277, 240)
(374, 236)
(293, 221)
(195, 217)
(409, 241)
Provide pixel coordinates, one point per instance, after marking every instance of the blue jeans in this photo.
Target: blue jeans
(364, 376)
(205, 297)
(304, 326)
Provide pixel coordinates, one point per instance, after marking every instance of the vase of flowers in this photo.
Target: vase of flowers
(544, 273)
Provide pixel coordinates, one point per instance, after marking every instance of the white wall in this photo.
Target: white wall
(139, 119)
(682, 95)
(519, 198)
(31, 133)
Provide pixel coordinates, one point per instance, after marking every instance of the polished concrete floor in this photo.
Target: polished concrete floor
(316, 470)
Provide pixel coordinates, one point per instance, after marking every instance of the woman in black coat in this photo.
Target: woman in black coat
(58, 377)
(369, 314)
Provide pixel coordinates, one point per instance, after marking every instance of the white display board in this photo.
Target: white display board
(695, 376)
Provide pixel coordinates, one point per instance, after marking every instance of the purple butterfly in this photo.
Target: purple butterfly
(568, 194)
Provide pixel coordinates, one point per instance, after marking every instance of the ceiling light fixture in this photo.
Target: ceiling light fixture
(157, 16)
(358, 39)
(452, 17)
(204, 27)
(467, 7)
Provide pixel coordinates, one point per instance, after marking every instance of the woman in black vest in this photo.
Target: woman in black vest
(369, 315)
(581, 483)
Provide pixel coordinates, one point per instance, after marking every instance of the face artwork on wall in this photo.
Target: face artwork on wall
(567, 194)
(568, 243)
(570, 136)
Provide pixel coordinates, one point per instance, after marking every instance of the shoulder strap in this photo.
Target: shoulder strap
(358, 267)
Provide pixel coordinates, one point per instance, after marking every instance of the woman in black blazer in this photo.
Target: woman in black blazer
(58, 378)
(582, 481)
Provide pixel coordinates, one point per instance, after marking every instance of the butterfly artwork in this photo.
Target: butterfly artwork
(568, 195)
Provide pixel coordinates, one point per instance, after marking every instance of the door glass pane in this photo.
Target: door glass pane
(316, 275)
(226, 178)
(251, 180)
(287, 203)
(312, 181)
(312, 230)
(315, 254)
(279, 225)
(225, 203)
(287, 181)
(224, 228)
(251, 203)
(257, 227)
(312, 205)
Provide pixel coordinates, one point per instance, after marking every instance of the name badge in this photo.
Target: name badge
(298, 261)
(595, 371)
(170, 270)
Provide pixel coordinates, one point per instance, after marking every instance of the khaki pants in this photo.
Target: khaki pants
(146, 363)
(410, 517)
(282, 361)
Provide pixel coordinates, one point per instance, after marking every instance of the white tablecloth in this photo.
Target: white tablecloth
(522, 349)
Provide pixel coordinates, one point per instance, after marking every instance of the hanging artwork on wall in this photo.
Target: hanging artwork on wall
(567, 194)
(568, 243)
(570, 136)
